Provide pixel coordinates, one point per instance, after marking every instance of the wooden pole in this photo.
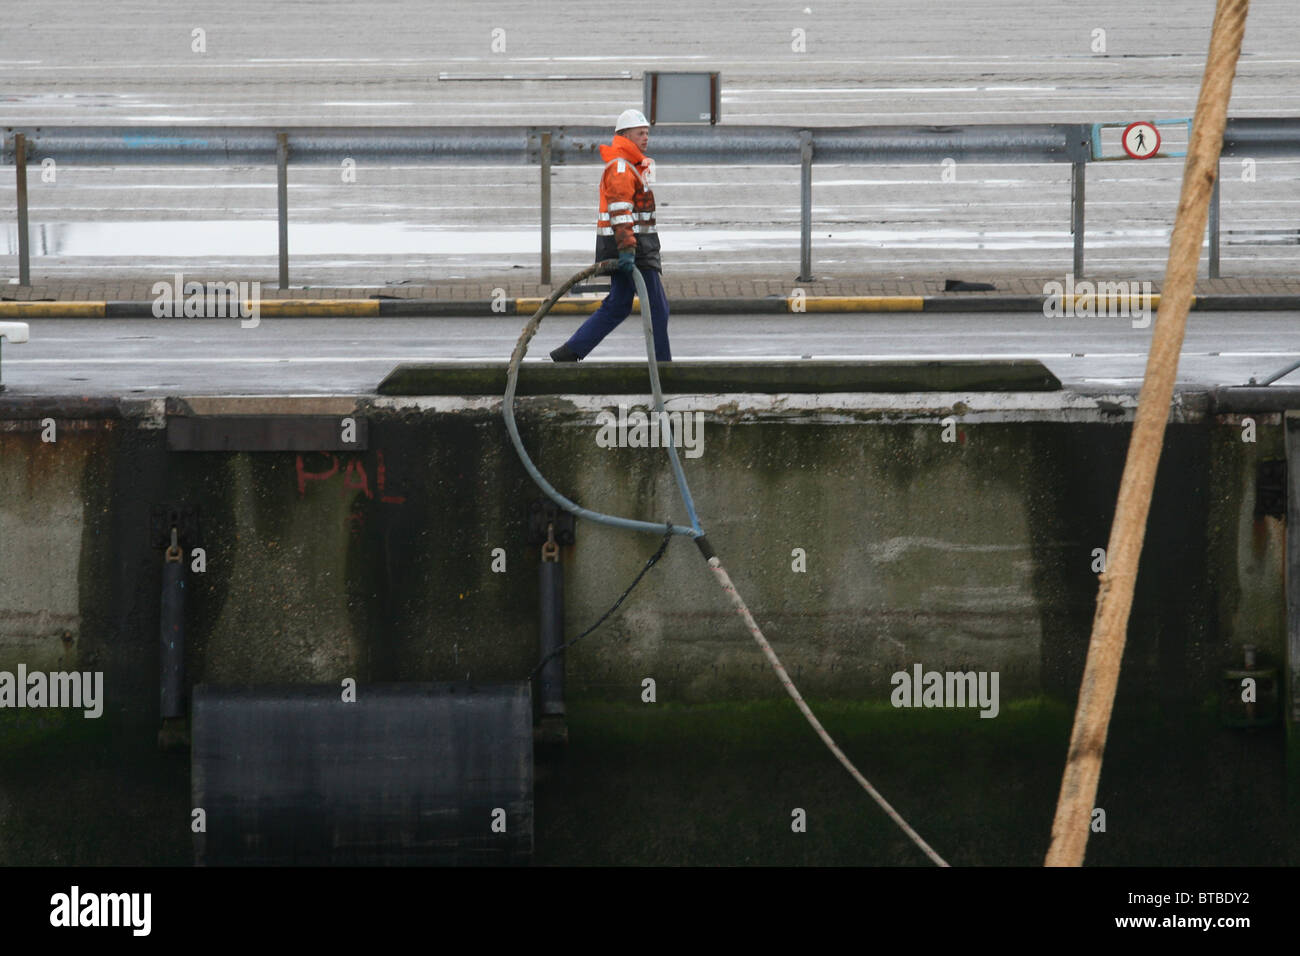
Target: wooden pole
(1115, 594)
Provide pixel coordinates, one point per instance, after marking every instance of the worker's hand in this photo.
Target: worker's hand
(627, 261)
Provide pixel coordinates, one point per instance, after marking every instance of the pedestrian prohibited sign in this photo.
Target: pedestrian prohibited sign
(1141, 140)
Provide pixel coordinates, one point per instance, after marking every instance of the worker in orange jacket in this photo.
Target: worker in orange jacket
(625, 229)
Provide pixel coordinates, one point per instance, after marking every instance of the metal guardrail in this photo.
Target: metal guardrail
(506, 145)
(560, 145)
(1279, 374)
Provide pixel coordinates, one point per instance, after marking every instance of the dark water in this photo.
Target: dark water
(665, 784)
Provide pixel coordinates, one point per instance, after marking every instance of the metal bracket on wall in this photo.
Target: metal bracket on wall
(185, 519)
(267, 433)
(544, 512)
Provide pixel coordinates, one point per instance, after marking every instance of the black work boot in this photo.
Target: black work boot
(565, 354)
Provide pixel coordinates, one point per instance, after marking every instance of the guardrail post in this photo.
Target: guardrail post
(546, 208)
(1214, 224)
(20, 170)
(1078, 176)
(805, 206)
(282, 202)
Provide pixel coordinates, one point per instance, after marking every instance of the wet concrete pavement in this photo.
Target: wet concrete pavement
(827, 64)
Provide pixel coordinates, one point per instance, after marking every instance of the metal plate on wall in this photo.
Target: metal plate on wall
(267, 433)
(407, 774)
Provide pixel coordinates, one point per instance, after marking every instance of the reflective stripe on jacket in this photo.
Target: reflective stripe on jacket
(627, 206)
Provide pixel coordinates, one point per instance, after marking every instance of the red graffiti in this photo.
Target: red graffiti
(305, 476)
(356, 468)
(355, 478)
(383, 473)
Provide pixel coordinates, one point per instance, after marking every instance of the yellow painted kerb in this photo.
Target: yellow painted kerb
(51, 310)
(567, 306)
(310, 307)
(855, 303)
(1113, 303)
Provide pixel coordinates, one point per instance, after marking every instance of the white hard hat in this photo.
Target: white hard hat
(630, 119)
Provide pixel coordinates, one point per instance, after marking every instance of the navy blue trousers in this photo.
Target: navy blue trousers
(617, 306)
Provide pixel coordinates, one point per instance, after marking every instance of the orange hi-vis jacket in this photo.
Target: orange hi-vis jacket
(627, 206)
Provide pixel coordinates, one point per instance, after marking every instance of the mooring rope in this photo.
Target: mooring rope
(695, 531)
(724, 579)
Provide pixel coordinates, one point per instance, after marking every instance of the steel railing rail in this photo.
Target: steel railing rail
(521, 145)
(1262, 136)
(547, 146)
